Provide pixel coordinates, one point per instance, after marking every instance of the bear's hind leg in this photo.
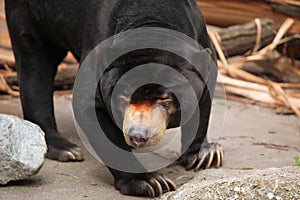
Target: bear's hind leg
(37, 60)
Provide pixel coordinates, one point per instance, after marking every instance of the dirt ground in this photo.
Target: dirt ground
(253, 137)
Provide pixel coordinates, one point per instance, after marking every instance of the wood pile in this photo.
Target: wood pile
(281, 92)
(258, 50)
(253, 71)
(64, 78)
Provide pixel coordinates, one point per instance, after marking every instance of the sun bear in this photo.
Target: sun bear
(42, 32)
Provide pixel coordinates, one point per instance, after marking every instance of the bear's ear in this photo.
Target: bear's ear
(208, 51)
(124, 100)
(123, 103)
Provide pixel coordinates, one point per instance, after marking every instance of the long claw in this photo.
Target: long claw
(210, 159)
(150, 190)
(221, 157)
(164, 184)
(157, 186)
(218, 159)
(71, 156)
(191, 162)
(202, 155)
(171, 184)
(77, 153)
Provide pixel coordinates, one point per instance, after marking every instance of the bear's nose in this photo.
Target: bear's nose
(138, 135)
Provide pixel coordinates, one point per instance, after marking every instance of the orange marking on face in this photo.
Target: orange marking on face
(141, 107)
(141, 112)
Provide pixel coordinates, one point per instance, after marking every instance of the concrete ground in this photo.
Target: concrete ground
(253, 137)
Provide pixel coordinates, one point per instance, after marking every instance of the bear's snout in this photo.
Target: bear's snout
(144, 125)
(138, 135)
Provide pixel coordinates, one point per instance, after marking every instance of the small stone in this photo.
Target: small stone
(22, 148)
(243, 189)
(270, 195)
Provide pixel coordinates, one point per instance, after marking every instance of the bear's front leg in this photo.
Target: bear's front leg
(142, 184)
(200, 154)
(136, 184)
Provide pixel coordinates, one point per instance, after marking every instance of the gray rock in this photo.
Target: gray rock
(272, 183)
(22, 148)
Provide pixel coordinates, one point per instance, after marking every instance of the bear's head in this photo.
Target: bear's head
(144, 113)
(147, 114)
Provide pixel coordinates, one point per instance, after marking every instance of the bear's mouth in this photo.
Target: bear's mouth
(141, 142)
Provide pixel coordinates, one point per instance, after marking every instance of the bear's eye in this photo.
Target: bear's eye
(166, 104)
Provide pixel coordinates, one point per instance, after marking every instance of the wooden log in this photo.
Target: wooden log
(64, 78)
(289, 7)
(232, 12)
(4, 36)
(275, 67)
(4, 87)
(6, 57)
(258, 96)
(282, 68)
(238, 39)
(70, 59)
(254, 91)
(5, 40)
